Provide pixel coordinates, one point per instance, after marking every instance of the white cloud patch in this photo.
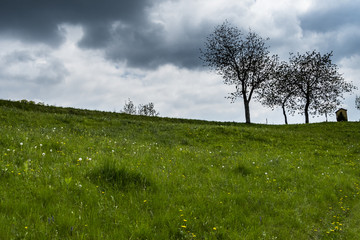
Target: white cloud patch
(25, 72)
(37, 68)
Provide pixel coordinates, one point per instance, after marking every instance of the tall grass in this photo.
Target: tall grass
(78, 174)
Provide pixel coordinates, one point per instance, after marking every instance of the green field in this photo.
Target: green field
(77, 174)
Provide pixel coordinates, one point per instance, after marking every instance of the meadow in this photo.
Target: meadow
(78, 174)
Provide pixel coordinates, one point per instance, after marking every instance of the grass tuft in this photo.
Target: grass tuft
(109, 174)
(242, 170)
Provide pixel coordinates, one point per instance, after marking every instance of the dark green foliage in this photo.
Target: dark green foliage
(242, 170)
(110, 175)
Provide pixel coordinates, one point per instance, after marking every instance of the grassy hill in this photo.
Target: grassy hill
(78, 174)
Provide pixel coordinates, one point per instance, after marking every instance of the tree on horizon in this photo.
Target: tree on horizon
(319, 85)
(241, 59)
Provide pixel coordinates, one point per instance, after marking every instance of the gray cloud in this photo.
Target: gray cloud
(127, 32)
(147, 46)
(322, 19)
(34, 68)
(122, 29)
(38, 20)
(338, 27)
(17, 57)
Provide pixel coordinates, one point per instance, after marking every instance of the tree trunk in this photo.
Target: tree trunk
(247, 111)
(307, 112)
(307, 104)
(284, 112)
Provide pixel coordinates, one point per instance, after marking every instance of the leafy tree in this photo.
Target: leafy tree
(280, 90)
(242, 60)
(129, 108)
(319, 84)
(147, 110)
(357, 102)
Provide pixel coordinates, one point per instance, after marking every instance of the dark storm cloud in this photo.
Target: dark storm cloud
(121, 28)
(147, 46)
(96, 35)
(38, 20)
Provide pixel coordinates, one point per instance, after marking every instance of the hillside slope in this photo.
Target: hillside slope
(78, 174)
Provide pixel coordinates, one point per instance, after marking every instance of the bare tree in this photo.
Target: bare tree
(129, 108)
(148, 110)
(242, 60)
(329, 106)
(320, 86)
(143, 109)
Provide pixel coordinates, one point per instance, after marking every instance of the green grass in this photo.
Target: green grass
(78, 174)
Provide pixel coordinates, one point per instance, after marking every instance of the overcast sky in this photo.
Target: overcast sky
(97, 54)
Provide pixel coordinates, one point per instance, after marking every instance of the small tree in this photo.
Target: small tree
(129, 108)
(242, 60)
(280, 90)
(319, 84)
(329, 107)
(148, 110)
